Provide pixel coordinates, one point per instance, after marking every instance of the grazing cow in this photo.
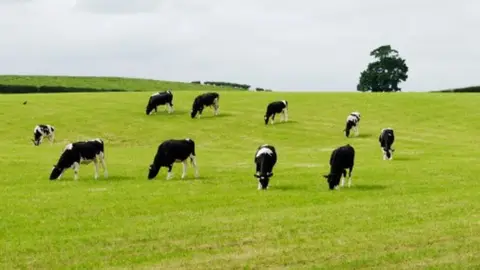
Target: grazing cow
(265, 160)
(352, 122)
(160, 98)
(206, 99)
(83, 152)
(171, 151)
(277, 107)
(386, 139)
(41, 131)
(342, 158)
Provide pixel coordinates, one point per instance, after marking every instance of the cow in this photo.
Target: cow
(386, 139)
(173, 151)
(353, 120)
(342, 158)
(206, 99)
(81, 152)
(274, 108)
(41, 131)
(265, 160)
(160, 98)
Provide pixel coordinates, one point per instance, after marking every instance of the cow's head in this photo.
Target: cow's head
(265, 118)
(388, 152)
(149, 109)
(333, 180)
(152, 171)
(36, 142)
(56, 172)
(264, 179)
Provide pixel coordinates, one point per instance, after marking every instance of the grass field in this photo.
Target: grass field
(418, 211)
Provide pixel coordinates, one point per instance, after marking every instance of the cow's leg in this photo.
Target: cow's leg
(273, 118)
(285, 114)
(51, 138)
(258, 169)
(193, 160)
(215, 108)
(104, 165)
(344, 174)
(350, 176)
(356, 130)
(184, 172)
(76, 168)
(169, 173)
(259, 185)
(95, 164)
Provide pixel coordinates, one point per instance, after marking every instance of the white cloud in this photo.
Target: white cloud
(297, 45)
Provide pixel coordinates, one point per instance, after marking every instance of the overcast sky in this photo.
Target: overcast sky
(278, 44)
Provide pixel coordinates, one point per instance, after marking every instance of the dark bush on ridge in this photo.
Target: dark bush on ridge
(471, 89)
(21, 89)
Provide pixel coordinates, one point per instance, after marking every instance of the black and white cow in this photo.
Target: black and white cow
(386, 139)
(41, 131)
(342, 158)
(205, 100)
(160, 98)
(265, 160)
(353, 120)
(274, 108)
(173, 151)
(83, 152)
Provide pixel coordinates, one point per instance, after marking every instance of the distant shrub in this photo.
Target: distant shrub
(471, 89)
(196, 82)
(259, 89)
(228, 84)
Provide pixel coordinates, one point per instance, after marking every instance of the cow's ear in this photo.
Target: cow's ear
(326, 176)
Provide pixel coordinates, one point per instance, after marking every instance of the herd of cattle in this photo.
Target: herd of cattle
(180, 150)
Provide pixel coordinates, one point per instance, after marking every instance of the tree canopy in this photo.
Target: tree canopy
(385, 73)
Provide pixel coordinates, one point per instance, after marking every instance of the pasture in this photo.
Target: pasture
(420, 210)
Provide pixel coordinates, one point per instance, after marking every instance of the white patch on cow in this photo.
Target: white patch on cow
(349, 181)
(259, 185)
(264, 150)
(68, 147)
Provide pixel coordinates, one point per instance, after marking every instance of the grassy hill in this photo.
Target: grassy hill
(420, 210)
(99, 83)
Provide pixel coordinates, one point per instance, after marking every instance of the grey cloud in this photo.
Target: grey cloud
(295, 45)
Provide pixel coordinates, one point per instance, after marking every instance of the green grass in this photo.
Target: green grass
(128, 84)
(418, 211)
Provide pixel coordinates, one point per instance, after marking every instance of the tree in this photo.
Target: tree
(384, 74)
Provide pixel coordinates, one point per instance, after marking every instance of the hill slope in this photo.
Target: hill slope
(419, 210)
(99, 83)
